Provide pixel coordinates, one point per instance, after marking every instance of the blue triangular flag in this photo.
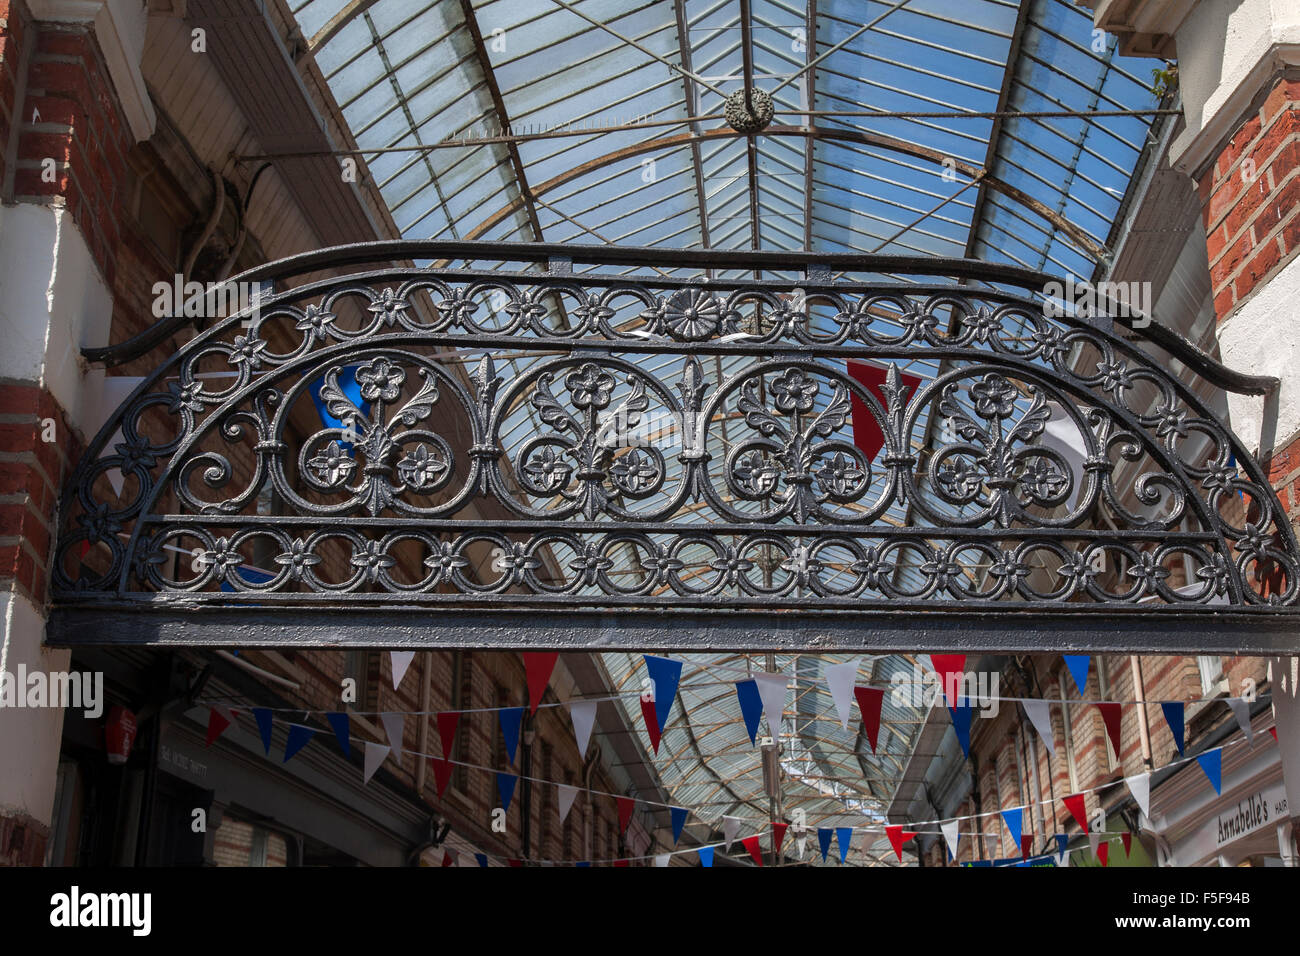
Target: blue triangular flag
(824, 841)
(340, 723)
(678, 815)
(844, 836)
(1212, 763)
(706, 856)
(1013, 819)
(583, 863)
(298, 737)
(506, 787)
(1174, 718)
(665, 673)
(482, 858)
(263, 717)
(961, 718)
(751, 705)
(512, 719)
(1062, 841)
(1078, 664)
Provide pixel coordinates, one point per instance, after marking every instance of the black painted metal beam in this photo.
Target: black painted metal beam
(1148, 631)
(995, 133)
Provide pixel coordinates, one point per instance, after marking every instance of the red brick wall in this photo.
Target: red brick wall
(32, 471)
(1283, 468)
(1005, 754)
(1251, 199)
(13, 28)
(81, 127)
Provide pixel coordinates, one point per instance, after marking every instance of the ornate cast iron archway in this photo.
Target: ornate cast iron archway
(670, 450)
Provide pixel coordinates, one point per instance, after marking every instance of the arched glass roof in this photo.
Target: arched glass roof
(895, 130)
(616, 110)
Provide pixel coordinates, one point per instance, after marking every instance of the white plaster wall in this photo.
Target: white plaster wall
(1263, 338)
(53, 301)
(29, 737)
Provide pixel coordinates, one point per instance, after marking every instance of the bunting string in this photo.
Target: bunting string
(296, 742)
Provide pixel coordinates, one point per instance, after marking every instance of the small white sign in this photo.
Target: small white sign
(1256, 810)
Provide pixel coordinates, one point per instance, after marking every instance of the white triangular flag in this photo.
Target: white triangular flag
(1241, 710)
(950, 836)
(400, 660)
(567, 795)
(394, 724)
(1140, 786)
(1094, 841)
(375, 755)
(771, 689)
(801, 844)
(730, 827)
(662, 859)
(1063, 858)
(840, 678)
(1040, 715)
(583, 713)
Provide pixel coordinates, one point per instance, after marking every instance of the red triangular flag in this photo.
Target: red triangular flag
(1026, 843)
(897, 837)
(85, 549)
(625, 805)
(947, 665)
(1128, 842)
(217, 724)
(1074, 803)
(1110, 713)
(1273, 731)
(447, 723)
(515, 862)
(538, 666)
(869, 701)
(778, 836)
(866, 430)
(751, 844)
(441, 773)
(1103, 851)
(620, 862)
(448, 859)
(651, 722)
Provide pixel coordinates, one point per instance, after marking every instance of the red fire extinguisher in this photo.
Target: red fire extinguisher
(119, 734)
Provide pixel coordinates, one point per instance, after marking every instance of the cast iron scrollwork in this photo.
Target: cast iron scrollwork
(502, 436)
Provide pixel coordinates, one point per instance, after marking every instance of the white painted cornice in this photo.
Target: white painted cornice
(1199, 145)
